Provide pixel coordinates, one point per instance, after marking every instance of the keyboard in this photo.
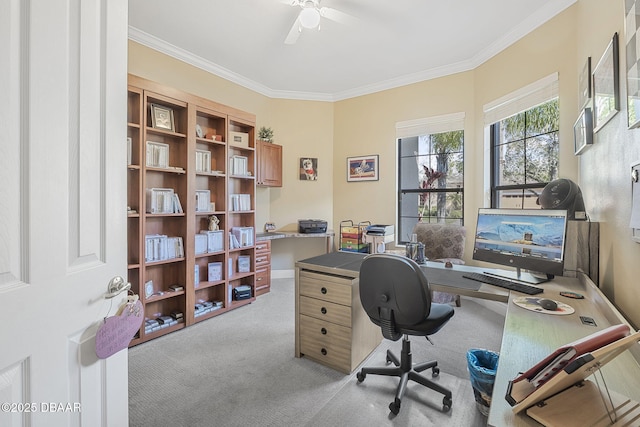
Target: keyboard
(504, 283)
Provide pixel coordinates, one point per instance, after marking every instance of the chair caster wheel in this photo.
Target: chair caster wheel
(435, 372)
(394, 407)
(446, 404)
(360, 376)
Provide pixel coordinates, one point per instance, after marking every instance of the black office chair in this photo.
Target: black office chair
(395, 294)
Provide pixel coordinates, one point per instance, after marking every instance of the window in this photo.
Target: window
(430, 180)
(524, 156)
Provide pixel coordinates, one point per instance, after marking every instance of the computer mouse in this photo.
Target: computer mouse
(548, 304)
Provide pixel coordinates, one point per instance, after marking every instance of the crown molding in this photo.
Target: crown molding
(534, 21)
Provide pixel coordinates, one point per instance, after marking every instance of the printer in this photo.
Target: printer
(308, 226)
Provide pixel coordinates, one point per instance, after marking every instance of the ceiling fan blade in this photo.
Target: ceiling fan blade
(337, 16)
(294, 32)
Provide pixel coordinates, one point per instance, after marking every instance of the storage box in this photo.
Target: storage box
(215, 240)
(215, 271)
(244, 264)
(239, 138)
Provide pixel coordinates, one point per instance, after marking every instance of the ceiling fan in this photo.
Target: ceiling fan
(309, 17)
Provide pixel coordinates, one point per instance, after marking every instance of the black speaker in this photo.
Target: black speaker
(563, 194)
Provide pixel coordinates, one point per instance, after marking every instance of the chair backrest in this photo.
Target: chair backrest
(394, 293)
(441, 241)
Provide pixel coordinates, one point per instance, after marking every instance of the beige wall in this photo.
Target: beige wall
(366, 125)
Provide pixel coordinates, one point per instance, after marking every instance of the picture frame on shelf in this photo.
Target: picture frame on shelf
(632, 31)
(584, 85)
(362, 168)
(583, 131)
(606, 85)
(162, 118)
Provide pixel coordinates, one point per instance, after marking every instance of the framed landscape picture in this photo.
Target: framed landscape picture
(606, 98)
(363, 168)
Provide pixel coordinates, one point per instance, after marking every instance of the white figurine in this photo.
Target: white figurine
(213, 223)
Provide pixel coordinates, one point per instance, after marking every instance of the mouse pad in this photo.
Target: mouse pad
(531, 303)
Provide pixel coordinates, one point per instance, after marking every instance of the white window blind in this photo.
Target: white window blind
(430, 125)
(522, 99)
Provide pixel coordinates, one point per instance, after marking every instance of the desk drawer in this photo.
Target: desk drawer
(325, 310)
(325, 287)
(263, 276)
(332, 348)
(263, 245)
(263, 258)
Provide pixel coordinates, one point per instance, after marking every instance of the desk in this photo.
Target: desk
(528, 336)
(274, 235)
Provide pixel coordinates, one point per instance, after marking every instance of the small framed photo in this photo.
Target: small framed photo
(308, 168)
(162, 118)
(606, 98)
(583, 131)
(363, 168)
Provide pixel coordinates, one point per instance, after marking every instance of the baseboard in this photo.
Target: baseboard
(283, 274)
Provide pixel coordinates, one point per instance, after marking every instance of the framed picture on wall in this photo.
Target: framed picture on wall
(363, 168)
(583, 131)
(308, 169)
(584, 85)
(632, 30)
(606, 100)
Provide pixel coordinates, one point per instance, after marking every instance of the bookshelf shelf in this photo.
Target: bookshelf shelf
(189, 134)
(165, 295)
(205, 285)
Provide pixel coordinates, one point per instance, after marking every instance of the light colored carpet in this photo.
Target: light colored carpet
(239, 369)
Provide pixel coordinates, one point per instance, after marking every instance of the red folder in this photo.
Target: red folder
(556, 361)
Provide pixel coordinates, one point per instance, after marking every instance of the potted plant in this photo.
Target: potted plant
(265, 134)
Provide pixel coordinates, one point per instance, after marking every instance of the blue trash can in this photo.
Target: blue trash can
(482, 365)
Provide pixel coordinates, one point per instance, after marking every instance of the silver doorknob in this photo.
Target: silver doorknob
(116, 286)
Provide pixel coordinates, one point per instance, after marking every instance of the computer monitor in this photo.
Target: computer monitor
(529, 239)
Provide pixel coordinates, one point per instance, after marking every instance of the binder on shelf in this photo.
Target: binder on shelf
(159, 247)
(129, 151)
(203, 161)
(244, 235)
(239, 165)
(233, 241)
(240, 202)
(203, 200)
(196, 275)
(160, 200)
(177, 206)
(157, 155)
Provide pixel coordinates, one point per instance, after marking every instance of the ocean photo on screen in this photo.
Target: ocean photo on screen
(521, 235)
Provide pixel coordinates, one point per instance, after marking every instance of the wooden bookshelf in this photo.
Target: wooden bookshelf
(191, 134)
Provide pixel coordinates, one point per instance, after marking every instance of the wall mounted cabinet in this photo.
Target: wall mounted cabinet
(269, 164)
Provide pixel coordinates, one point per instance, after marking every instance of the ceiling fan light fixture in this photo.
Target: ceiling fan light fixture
(309, 17)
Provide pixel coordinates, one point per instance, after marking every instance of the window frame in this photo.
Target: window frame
(458, 189)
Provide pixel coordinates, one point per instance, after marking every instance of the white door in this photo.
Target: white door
(62, 209)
